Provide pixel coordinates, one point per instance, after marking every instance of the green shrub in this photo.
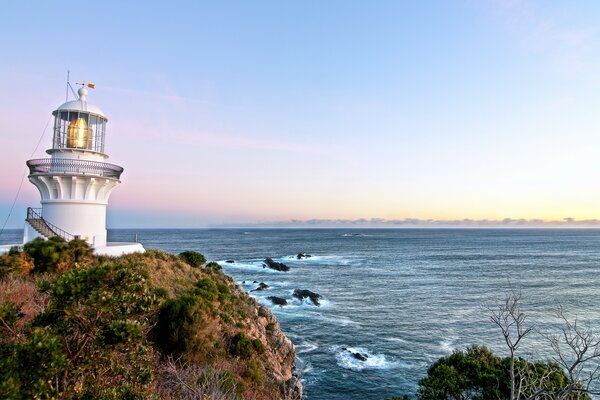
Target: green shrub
(193, 258)
(176, 320)
(47, 254)
(242, 346)
(270, 327)
(213, 267)
(254, 373)
(55, 254)
(32, 368)
(479, 374)
(122, 332)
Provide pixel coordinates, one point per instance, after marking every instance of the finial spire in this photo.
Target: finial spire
(82, 92)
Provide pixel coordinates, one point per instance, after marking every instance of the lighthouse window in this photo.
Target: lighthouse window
(79, 130)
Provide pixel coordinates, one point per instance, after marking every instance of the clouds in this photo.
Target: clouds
(434, 223)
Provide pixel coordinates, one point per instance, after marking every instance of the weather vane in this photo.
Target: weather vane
(83, 84)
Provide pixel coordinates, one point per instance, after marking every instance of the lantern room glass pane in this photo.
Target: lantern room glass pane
(79, 130)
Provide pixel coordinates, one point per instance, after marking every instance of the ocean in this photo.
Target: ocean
(402, 297)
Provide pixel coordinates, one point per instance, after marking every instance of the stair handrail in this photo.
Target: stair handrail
(36, 213)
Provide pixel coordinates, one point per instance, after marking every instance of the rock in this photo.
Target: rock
(261, 286)
(303, 293)
(230, 261)
(277, 266)
(278, 301)
(301, 256)
(361, 357)
(254, 281)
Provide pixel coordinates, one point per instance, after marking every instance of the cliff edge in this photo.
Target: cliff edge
(141, 326)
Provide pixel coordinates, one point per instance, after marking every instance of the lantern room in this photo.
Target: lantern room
(79, 125)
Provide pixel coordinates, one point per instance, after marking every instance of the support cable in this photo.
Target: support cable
(23, 177)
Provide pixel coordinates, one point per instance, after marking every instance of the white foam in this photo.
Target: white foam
(316, 260)
(345, 359)
(247, 266)
(306, 347)
(447, 345)
(343, 321)
(294, 301)
(397, 340)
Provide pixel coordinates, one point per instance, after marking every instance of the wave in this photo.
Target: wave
(447, 344)
(306, 347)
(343, 321)
(347, 359)
(247, 265)
(356, 235)
(316, 259)
(397, 340)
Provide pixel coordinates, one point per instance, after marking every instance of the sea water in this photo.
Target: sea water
(402, 297)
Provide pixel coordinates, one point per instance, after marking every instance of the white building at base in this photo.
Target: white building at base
(75, 182)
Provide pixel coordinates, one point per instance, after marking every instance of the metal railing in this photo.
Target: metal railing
(71, 166)
(35, 214)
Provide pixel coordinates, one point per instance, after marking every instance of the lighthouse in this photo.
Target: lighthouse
(75, 182)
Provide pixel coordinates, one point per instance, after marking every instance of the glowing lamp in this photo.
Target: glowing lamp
(78, 134)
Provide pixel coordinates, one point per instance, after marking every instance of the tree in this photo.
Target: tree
(577, 350)
(577, 354)
(511, 321)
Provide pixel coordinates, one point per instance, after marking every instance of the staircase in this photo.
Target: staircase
(43, 227)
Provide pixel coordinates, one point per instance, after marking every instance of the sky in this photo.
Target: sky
(317, 113)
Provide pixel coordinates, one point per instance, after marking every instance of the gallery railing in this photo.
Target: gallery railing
(70, 166)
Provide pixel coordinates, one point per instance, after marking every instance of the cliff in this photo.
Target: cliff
(149, 325)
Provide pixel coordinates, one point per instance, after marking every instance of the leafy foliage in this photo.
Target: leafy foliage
(242, 346)
(55, 254)
(85, 327)
(193, 258)
(15, 261)
(479, 374)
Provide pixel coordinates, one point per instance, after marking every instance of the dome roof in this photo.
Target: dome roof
(81, 104)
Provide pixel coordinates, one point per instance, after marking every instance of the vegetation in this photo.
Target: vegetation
(478, 374)
(193, 258)
(77, 326)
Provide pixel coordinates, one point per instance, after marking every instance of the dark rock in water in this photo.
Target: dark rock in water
(301, 256)
(278, 301)
(277, 266)
(261, 286)
(361, 357)
(303, 293)
(254, 281)
(230, 261)
(243, 282)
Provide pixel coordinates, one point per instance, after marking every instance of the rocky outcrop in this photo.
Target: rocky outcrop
(277, 266)
(357, 355)
(261, 286)
(278, 301)
(302, 294)
(302, 256)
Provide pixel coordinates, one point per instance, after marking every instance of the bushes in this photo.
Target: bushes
(95, 318)
(243, 347)
(193, 258)
(55, 254)
(176, 321)
(31, 369)
(84, 328)
(15, 261)
(479, 374)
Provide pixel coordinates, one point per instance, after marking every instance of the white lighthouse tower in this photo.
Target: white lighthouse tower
(76, 182)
